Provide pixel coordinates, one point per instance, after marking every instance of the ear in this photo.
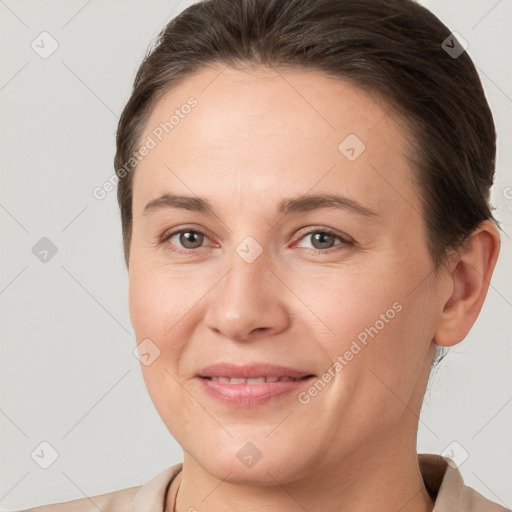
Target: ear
(470, 274)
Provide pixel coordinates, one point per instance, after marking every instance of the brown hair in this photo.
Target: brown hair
(396, 49)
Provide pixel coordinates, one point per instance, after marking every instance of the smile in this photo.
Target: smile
(242, 392)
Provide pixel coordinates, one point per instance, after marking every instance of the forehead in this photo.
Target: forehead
(260, 133)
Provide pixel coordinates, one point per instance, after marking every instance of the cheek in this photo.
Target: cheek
(156, 303)
(158, 312)
(346, 303)
(373, 320)
(163, 305)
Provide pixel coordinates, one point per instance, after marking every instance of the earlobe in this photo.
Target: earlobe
(469, 276)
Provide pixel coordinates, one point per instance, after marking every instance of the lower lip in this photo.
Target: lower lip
(250, 395)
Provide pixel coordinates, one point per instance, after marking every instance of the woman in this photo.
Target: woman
(293, 374)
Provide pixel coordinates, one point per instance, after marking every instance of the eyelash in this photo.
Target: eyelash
(345, 240)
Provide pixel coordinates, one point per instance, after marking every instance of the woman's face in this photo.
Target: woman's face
(248, 281)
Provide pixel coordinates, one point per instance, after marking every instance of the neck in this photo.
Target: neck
(374, 479)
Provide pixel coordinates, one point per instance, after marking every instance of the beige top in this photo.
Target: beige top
(443, 482)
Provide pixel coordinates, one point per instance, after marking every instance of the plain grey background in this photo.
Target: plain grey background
(68, 374)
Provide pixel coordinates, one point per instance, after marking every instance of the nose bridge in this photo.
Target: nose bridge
(249, 247)
(247, 280)
(247, 297)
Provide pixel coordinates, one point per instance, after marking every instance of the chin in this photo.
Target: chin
(260, 462)
(263, 473)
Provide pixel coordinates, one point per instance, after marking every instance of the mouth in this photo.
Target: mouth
(252, 371)
(250, 385)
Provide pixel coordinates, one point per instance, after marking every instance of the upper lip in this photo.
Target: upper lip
(251, 371)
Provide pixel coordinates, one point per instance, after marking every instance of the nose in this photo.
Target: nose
(248, 302)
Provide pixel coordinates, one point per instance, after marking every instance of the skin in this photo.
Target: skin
(255, 138)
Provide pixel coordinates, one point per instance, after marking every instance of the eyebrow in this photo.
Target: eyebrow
(300, 204)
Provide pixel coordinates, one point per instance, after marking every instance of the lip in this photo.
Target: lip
(250, 395)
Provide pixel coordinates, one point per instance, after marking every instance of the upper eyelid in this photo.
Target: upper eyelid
(171, 232)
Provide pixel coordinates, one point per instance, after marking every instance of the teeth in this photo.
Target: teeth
(236, 381)
(254, 380)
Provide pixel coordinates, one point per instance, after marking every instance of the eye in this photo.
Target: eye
(323, 240)
(187, 239)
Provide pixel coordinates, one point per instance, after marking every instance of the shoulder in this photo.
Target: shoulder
(445, 483)
(150, 495)
(110, 502)
(474, 501)
(468, 499)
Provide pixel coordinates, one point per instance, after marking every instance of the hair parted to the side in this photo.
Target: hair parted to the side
(390, 48)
